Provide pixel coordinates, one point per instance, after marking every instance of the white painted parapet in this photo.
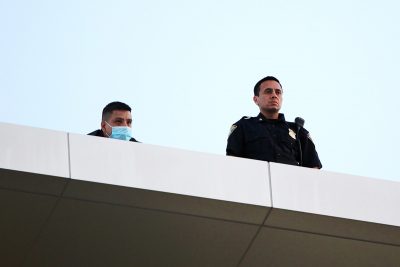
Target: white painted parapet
(34, 150)
(163, 169)
(334, 194)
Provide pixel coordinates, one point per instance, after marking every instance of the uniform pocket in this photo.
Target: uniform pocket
(288, 144)
(258, 144)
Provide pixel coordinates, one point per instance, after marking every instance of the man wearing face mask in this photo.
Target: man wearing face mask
(116, 122)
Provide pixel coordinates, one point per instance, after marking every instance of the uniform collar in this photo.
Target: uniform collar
(261, 117)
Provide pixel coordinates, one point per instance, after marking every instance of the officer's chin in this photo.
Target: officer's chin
(272, 110)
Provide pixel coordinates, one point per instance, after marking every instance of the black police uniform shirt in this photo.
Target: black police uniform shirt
(271, 140)
(101, 134)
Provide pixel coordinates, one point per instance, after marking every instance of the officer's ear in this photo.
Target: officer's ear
(255, 99)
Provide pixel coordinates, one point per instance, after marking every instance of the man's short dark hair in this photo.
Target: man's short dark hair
(114, 106)
(268, 78)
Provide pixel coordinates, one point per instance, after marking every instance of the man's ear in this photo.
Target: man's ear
(255, 99)
(103, 125)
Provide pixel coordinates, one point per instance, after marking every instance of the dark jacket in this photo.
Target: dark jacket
(272, 140)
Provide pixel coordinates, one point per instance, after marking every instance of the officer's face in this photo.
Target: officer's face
(269, 99)
(117, 118)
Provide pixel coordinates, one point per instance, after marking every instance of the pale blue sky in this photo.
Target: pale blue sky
(187, 68)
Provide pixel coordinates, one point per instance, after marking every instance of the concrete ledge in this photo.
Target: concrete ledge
(334, 194)
(163, 169)
(34, 150)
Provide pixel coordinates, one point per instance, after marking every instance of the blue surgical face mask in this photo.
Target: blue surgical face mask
(120, 132)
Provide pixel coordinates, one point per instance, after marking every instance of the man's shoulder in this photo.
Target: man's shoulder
(246, 120)
(97, 133)
(244, 123)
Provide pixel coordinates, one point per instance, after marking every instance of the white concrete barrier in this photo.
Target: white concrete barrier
(335, 194)
(34, 150)
(164, 169)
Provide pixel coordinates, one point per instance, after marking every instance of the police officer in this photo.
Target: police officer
(269, 136)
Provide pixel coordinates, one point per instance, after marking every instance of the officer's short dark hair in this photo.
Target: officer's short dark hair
(114, 106)
(268, 78)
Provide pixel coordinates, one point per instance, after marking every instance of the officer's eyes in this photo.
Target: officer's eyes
(270, 91)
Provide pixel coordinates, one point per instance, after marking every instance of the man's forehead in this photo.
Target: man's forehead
(270, 84)
(121, 114)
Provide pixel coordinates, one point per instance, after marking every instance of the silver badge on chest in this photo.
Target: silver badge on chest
(292, 134)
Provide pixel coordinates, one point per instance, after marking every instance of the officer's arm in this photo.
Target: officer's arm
(310, 155)
(235, 141)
